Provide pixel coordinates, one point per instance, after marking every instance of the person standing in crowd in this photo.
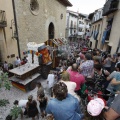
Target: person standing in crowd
(31, 108)
(107, 63)
(118, 59)
(88, 35)
(40, 88)
(22, 62)
(25, 59)
(111, 88)
(69, 65)
(95, 109)
(5, 66)
(1, 71)
(113, 62)
(51, 81)
(78, 60)
(17, 62)
(100, 78)
(96, 54)
(96, 60)
(113, 113)
(114, 86)
(43, 103)
(63, 106)
(86, 68)
(116, 79)
(70, 85)
(76, 77)
(82, 58)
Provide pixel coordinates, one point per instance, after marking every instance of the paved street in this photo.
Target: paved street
(16, 94)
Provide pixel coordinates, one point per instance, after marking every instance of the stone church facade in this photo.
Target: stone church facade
(40, 20)
(31, 21)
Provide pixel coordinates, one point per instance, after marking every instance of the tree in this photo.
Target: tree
(4, 82)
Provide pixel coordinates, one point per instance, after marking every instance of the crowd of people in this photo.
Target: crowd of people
(66, 82)
(5, 67)
(80, 66)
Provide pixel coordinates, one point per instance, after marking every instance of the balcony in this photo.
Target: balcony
(73, 36)
(80, 33)
(71, 27)
(110, 7)
(81, 25)
(87, 26)
(3, 22)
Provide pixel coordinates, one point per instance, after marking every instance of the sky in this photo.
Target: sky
(86, 6)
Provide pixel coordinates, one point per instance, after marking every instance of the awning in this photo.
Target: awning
(110, 44)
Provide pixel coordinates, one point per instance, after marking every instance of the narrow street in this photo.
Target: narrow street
(71, 47)
(17, 94)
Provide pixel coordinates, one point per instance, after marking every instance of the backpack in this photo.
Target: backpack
(9, 117)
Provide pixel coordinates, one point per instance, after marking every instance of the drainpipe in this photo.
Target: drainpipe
(15, 20)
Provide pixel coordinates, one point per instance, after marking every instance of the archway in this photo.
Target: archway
(51, 31)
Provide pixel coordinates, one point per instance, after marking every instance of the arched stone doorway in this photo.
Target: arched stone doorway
(51, 31)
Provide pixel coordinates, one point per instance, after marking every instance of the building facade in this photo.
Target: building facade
(31, 21)
(40, 20)
(76, 25)
(83, 24)
(111, 32)
(8, 44)
(108, 35)
(96, 28)
(71, 25)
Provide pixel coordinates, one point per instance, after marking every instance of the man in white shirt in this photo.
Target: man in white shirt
(51, 81)
(5, 67)
(17, 62)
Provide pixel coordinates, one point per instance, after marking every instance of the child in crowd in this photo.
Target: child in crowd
(31, 108)
(40, 88)
(43, 103)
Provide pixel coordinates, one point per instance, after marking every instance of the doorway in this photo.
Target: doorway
(109, 48)
(51, 31)
(96, 44)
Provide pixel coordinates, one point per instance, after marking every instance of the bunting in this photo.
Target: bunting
(30, 52)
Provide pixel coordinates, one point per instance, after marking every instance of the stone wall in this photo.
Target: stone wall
(35, 27)
(8, 46)
(115, 32)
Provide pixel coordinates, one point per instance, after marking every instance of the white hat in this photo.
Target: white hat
(95, 106)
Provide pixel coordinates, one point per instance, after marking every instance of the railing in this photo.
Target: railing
(80, 33)
(81, 25)
(3, 22)
(87, 26)
(71, 27)
(110, 7)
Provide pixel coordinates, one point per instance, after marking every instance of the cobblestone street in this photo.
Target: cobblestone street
(16, 94)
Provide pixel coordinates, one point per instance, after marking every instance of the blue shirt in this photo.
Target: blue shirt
(117, 77)
(67, 109)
